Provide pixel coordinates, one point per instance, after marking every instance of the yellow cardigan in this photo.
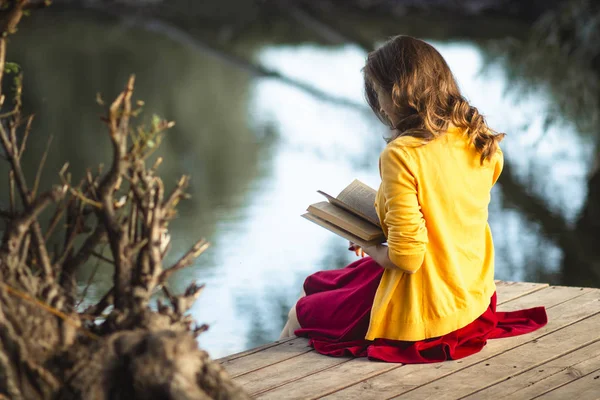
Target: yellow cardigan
(433, 205)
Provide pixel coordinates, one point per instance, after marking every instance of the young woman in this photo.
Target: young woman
(429, 294)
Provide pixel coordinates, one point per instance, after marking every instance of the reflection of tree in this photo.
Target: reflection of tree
(274, 20)
(562, 55)
(212, 140)
(579, 256)
(224, 29)
(268, 314)
(532, 207)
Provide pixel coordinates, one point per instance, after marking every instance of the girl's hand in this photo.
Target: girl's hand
(357, 249)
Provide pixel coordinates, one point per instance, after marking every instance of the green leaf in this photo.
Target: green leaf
(155, 121)
(11, 68)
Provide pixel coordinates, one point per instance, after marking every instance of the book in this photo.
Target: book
(351, 214)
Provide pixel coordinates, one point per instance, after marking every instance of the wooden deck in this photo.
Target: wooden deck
(559, 361)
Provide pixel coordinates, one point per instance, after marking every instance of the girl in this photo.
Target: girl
(429, 294)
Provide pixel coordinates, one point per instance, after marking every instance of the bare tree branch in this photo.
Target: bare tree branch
(119, 241)
(96, 309)
(15, 232)
(91, 277)
(36, 336)
(67, 278)
(178, 193)
(185, 261)
(26, 134)
(11, 191)
(11, 149)
(38, 174)
(2, 64)
(149, 263)
(11, 16)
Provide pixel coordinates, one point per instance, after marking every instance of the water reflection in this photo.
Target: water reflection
(266, 311)
(213, 140)
(258, 150)
(522, 252)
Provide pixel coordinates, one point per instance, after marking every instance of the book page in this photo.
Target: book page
(344, 206)
(346, 220)
(360, 198)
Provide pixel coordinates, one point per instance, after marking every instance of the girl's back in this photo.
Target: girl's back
(433, 203)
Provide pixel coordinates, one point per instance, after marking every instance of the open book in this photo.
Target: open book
(351, 214)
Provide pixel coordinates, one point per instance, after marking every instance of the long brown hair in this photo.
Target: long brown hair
(425, 94)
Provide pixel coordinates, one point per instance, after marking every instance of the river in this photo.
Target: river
(258, 149)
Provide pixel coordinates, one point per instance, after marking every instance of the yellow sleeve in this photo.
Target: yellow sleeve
(499, 156)
(407, 233)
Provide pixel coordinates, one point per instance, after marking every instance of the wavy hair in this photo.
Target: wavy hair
(424, 93)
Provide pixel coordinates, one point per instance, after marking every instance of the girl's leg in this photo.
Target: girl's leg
(292, 323)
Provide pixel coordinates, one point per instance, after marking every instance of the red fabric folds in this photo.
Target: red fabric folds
(335, 313)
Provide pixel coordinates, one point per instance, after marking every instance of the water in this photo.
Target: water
(258, 149)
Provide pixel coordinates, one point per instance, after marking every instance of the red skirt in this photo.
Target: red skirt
(335, 313)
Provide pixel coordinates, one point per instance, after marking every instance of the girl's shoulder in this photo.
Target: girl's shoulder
(397, 154)
(406, 141)
(398, 147)
(402, 146)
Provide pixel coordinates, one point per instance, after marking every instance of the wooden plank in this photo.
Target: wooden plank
(564, 307)
(507, 291)
(353, 370)
(256, 358)
(278, 374)
(520, 359)
(584, 388)
(271, 355)
(252, 350)
(549, 297)
(545, 377)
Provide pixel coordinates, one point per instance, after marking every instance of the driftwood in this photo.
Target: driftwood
(120, 347)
